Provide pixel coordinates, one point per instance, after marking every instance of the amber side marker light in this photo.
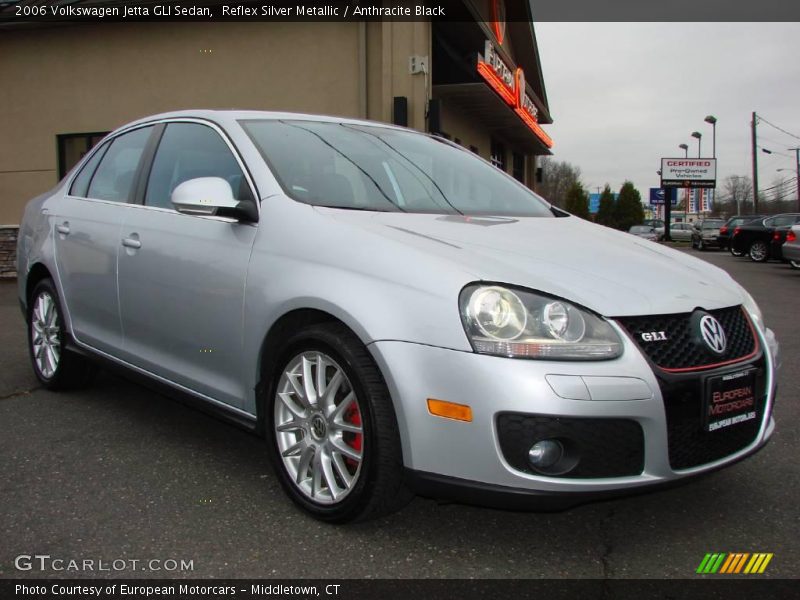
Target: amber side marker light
(449, 410)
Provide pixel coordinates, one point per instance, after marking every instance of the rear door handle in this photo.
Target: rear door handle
(63, 229)
(132, 242)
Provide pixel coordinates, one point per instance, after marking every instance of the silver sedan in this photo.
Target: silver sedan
(392, 313)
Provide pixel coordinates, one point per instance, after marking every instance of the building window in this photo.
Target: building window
(73, 146)
(498, 155)
(518, 167)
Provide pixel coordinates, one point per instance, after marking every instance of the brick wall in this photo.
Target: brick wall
(8, 251)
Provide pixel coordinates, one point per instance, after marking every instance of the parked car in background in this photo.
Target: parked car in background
(776, 244)
(726, 231)
(705, 233)
(681, 232)
(791, 247)
(755, 238)
(644, 231)
(387, 310)
(656, 224)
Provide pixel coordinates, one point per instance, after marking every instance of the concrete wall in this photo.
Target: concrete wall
(86, 78)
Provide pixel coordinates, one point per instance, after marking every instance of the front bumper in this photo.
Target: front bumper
(442, 454)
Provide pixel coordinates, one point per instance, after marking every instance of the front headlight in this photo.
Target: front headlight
(521, 324)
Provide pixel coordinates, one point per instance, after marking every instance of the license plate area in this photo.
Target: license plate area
(730, 399)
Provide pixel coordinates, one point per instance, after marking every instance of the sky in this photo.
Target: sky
(624, 95)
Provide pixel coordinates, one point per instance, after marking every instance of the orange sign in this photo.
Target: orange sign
(510, 86)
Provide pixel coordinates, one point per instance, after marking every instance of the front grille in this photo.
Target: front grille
(689, 444)
(602, 447)
(683, 347)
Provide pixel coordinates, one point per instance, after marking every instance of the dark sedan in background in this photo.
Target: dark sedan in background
(755, 238)
(706, 232)
(726, 231)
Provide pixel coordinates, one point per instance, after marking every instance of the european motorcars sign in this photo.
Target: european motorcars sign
(689, 172)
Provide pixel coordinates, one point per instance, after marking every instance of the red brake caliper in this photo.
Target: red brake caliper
(355, 440)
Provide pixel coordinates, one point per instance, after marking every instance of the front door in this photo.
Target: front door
(182, 277)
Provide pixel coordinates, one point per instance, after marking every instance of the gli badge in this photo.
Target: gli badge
(709, 331)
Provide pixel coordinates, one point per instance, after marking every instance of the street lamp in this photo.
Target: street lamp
(797, 170)
(698, 135)
(685, 148)
(713, 120)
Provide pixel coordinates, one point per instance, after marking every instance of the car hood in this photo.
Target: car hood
(610, 272)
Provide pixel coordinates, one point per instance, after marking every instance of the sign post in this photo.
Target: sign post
(685, 173)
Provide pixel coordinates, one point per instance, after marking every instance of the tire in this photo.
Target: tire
(795, 264)
(339, 458)
(759, 251)
(736, 252)
(54, 366)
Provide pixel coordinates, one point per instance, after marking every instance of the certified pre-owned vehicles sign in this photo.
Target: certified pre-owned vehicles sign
(689, 172)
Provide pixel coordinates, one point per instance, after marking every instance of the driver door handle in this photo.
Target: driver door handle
(63, 229)
(131, 242)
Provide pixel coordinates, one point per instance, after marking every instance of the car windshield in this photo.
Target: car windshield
(374, 168)
(712, 224)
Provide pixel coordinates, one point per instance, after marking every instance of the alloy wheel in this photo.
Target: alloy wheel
(318, 427)
(46, 334)
(758, 251)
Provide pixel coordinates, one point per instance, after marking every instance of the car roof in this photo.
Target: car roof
(229, 117)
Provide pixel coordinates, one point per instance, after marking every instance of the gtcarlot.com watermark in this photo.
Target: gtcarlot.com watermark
(46, 562)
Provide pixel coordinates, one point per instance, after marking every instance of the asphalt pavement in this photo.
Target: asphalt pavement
(118, 472)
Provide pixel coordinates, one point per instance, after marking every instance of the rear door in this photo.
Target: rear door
(87, 224)
(182, 277)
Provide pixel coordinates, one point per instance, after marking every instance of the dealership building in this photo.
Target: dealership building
(475, 79)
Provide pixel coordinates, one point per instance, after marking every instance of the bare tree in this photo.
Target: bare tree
(735, 197)
(557, 179)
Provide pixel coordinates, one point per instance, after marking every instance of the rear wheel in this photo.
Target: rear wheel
(795, 264)
(759, 251)
(736, 252)
(55, 366)
(331, 428)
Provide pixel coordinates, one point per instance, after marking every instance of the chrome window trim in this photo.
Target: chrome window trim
(112, 136)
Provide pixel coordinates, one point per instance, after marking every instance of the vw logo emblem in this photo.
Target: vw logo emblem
(713, 334)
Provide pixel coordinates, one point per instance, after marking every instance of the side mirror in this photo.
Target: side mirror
(211, 196)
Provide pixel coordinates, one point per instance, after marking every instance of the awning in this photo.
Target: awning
(480, 104)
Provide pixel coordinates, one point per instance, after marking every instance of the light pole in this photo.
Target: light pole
(685, 148)
(698, 135)
(713, 120)
(797, 171)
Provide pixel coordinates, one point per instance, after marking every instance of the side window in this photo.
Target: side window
(114, 178)
(80, 185)
(187, 151)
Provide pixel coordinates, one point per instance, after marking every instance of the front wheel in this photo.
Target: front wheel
(759, 252)
(56, 367)
(331, 428)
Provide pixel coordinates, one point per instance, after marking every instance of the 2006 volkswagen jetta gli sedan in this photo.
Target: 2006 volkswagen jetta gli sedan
(392, 313)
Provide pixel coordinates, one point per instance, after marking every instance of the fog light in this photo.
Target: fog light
(545, 454)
